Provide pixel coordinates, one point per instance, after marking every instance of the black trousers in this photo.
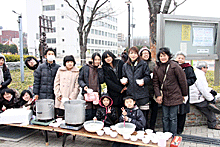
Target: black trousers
(181, 119)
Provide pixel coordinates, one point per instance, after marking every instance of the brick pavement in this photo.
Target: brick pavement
(37, 139)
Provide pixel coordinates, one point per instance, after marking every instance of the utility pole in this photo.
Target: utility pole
(133, 26)
(129, 34)
(21, 46)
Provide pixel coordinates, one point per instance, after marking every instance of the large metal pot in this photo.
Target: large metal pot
(74, 112)
(44, 109)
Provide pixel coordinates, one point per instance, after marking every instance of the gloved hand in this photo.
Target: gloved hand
(213, 92)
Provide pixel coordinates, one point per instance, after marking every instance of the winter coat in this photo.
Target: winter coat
(150, 85)
(66, 85)
(83, 79)
(7, 79)
(14, 102)
(174, 86)
(102, 115)
(135, 116)
(44, 77)
(140, 71)
(112, 80)
(191, 79)
(200, 91)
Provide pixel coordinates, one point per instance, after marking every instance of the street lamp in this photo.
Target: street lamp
(21, 45)
(129, 34)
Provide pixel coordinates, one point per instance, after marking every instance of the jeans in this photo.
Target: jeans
(170, 119)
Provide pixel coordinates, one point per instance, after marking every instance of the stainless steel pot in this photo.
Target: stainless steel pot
(74, 112)
(44, 109)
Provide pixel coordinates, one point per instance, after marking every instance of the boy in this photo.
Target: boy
(44, 76)
(132, 114)
(105, 112)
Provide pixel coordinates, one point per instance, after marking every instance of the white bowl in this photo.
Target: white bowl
(133, 138)
(128, 129)
(148, 131)
(113, 134)
(146, 140)
(100, 132)
(126, 136)
(140, 136)
(113, 127)
(140, 132)
(108, 132)
(92, 126)
(106, 128)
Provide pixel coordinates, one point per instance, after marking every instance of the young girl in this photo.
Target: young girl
(10, 99)
(173, 90)
(66, 84)
(26, 100)
(106, 112)
(91, 76)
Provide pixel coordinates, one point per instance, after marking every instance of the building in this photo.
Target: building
(6, 35)
(65, 38)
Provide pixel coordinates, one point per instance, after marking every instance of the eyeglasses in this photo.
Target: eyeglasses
(206, 67)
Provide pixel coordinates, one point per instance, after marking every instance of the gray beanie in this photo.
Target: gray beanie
(143, 49)
(2, 56)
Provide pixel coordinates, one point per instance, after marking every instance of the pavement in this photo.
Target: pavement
(38, 140)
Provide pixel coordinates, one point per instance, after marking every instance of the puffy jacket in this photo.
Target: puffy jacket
(140, 71)
(44, 77)
(136, 117)
(83, 79)
(112, 79)
(174, 86)
(200, 90)
(150, 85)
(7, 79)
(101, 114)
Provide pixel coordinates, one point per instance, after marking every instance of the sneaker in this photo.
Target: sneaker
(213, 108)
(217, 127)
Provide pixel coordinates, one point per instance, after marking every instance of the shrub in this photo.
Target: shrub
(15, 58)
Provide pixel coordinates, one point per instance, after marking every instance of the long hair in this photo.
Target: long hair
(26, 91)
(7, 90)
(164, 50)
(105, 55)
(135, 49)
(4, 65)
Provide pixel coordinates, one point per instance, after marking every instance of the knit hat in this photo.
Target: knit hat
(143, 49)
(129, 97)
(2, 56)
(68, 58)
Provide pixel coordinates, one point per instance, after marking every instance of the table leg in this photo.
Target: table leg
(74, 137)
(46, 137)
(64, 139)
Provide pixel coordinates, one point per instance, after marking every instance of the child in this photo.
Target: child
(133, 115)
(105, 112)
(66, 84)
(10, 100)
(26, 99)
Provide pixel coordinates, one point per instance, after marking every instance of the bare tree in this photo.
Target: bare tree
(84, 27)
(154, 9)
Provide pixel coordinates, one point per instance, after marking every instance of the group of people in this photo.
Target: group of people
(135, 87)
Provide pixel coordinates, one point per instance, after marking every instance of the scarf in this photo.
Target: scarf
(1, 75)
(93, 78)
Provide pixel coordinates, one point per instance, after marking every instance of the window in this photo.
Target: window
(51, 40)
(37, 36)
(96, 32)
(61, 5)
(54, 29)
(92, 31)
(96, 41)
(62, 28)
(63, 40)
(100, 42)
(52, 18)
(103, 42)
(63, 51)
(92, 41)
(100, 32)
(103, 33)
(88, 40)
(88, 9)
(62, 17)
(49, 8)
(106, 34)
(106, 43)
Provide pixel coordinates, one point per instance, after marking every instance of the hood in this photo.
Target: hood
(105, 96)
(1, 55)
(63, 68)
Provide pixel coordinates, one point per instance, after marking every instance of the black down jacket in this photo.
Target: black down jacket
(44, 77)
(101, 114)
(7, 79)
(136, 117)
(112, 79)
(140, 71)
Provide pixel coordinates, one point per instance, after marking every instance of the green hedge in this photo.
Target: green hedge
(15, 58)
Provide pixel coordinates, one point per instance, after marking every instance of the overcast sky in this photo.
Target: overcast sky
(210, 8)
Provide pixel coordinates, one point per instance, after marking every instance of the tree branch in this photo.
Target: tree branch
(166, 6)
(72, 7)
(80, 8)
(72, 19)
(176, 5)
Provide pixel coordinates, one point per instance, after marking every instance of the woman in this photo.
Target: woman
(112, 69)
(145, 55)
(26, 100)
(191, 79)
(138, 75)
(91, 76)
(170, 78)
(66, 84)
(10, 99)
(5, 76)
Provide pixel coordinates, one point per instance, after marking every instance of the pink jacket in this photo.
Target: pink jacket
(66, 85)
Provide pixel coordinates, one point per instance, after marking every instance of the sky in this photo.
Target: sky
(210, 8)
